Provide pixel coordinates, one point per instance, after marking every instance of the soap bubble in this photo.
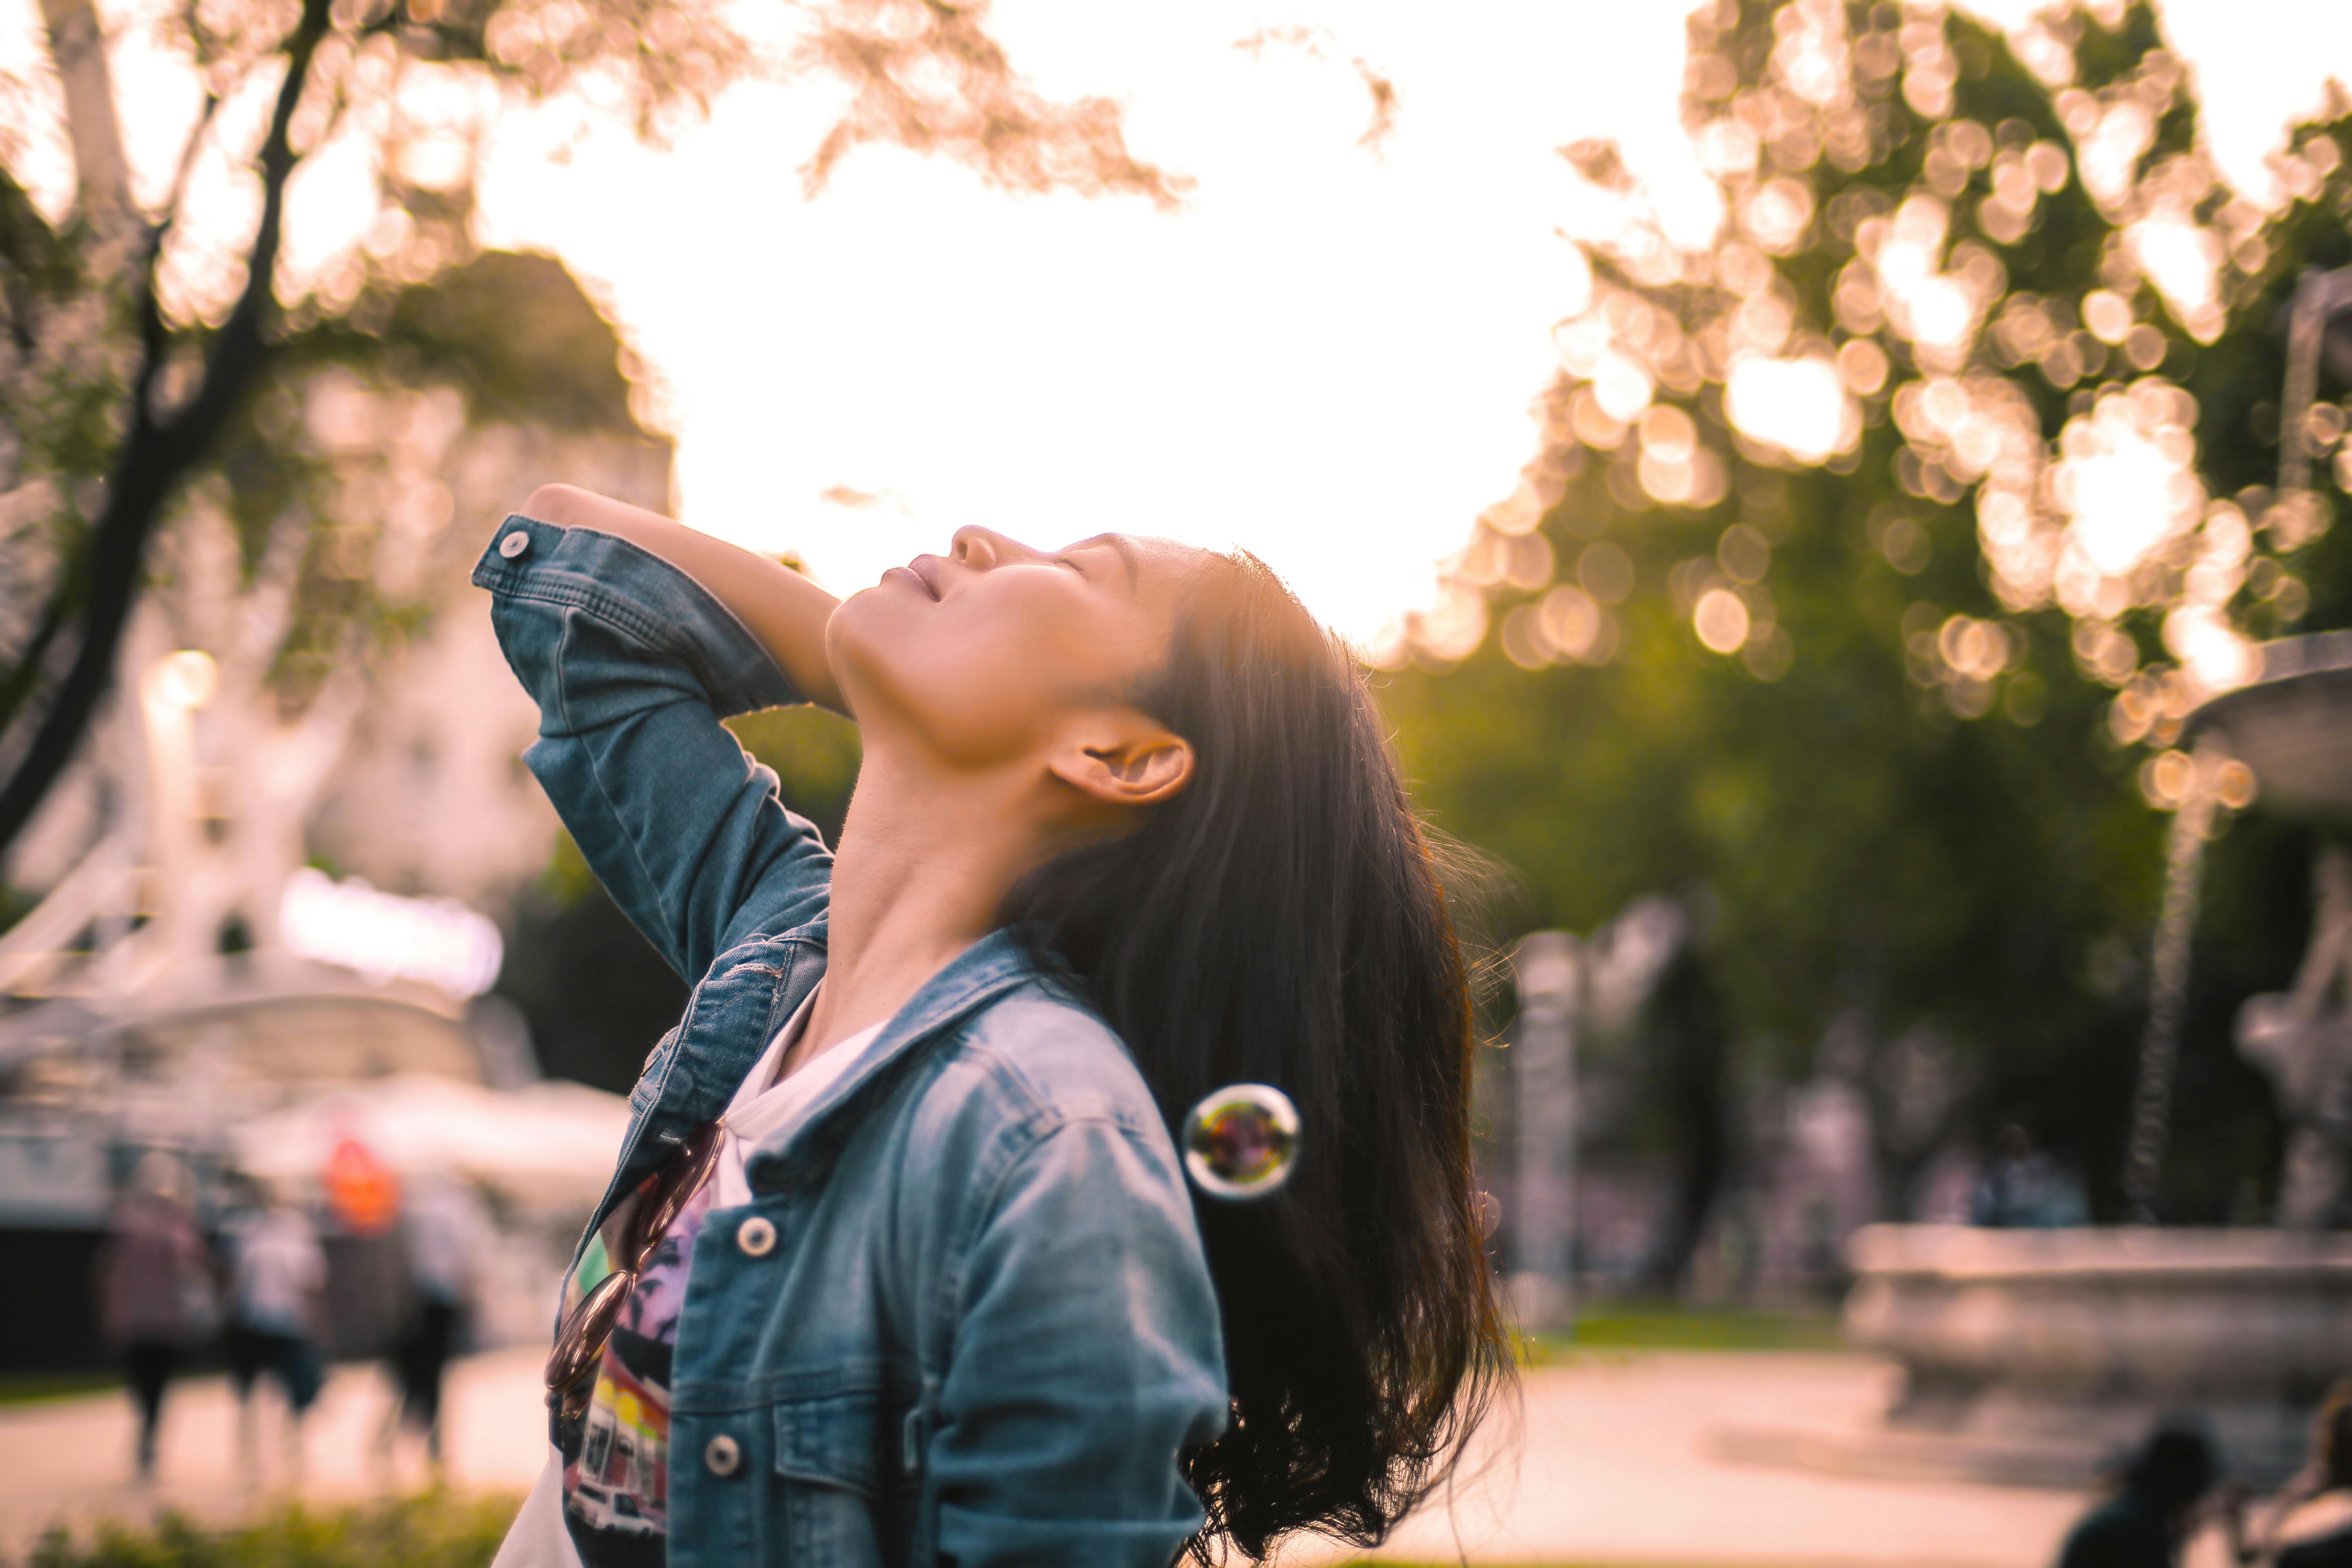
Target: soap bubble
(1241, 1141)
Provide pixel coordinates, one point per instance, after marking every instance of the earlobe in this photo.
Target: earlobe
(1142, 770)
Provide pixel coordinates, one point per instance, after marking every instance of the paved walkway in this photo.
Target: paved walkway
(1606, 1460)
(71, 1461)
(1612, 1460)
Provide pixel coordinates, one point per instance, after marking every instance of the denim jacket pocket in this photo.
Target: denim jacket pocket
(833, 1440)
(835, 1461)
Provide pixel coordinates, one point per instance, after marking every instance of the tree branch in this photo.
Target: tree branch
(158, 453)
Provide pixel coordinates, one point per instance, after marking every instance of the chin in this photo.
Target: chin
(874, 642)
(859, 625)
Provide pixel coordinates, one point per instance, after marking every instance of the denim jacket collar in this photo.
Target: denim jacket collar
(804, 1147)
(689, 1096)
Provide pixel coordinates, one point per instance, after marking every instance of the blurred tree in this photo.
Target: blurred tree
(350, 542)
(308, 570)
(1876, 549)
(597, 995)
(136, 330)
(138, 320)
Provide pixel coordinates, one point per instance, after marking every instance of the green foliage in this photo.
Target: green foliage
(436, 1529)
(1896, 771)
(40, 1387)
(594, 990)
(1635, 1325)
(816, 756)
(514, 331)
(136, 337)
(16, 903)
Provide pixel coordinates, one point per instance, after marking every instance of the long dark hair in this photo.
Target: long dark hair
(1282, 921)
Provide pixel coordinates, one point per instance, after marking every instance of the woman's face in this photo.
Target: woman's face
(987, 654)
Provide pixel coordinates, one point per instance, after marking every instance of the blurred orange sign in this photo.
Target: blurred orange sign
(362, 1190)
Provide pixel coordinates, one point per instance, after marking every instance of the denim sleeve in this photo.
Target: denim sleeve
(633, 664)
(1087, 1356)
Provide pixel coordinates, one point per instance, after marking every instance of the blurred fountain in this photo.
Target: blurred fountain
(2035, 1357)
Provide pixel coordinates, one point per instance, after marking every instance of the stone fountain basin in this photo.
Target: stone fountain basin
(2039, 1355)
(2097, 1312)
(2291, 724)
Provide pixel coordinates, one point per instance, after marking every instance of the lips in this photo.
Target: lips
(925, 569)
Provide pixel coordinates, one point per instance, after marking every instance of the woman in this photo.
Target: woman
(154, 1287)
(902, 1267)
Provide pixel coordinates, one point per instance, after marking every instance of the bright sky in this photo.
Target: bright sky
(1326, 356)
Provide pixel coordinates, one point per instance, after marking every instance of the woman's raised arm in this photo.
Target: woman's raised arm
(634, 664)
(778, 606)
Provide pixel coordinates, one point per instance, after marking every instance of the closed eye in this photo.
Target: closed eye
(1119, 546)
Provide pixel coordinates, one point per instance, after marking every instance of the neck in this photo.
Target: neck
(923, 865)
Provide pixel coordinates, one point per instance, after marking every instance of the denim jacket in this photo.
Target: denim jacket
(966, 1317)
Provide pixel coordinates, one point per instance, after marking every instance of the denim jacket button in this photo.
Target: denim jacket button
(722, 1455)
(514, 544)
(756, 1237)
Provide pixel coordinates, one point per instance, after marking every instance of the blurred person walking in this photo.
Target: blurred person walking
(900, 1264)
(442, 1231)
(2153, 1514)
(276, 1273)
(155, 1289)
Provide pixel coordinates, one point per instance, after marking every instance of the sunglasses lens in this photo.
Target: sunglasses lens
(656, 1203)
(582, 1339)
(672, 1188)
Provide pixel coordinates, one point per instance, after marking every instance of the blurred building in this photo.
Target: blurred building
(264, 902)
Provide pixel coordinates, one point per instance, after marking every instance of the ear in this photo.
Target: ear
(1142, 766)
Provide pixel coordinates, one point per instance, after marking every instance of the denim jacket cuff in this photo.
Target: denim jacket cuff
(529, 562)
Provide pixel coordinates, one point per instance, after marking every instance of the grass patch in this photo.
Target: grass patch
(40, 1387)
(1671, 1326)
(435, 1529)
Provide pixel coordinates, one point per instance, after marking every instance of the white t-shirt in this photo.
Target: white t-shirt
(766, 1103)
(537, 1538)
(276, 1263)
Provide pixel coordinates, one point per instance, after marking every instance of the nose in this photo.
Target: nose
(983, 548)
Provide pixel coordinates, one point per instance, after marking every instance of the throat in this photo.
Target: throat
(920, 876)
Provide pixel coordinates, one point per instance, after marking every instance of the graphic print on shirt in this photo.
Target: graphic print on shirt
(616, 1476)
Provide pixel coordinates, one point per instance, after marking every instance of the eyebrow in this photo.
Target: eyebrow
(1126, 555)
